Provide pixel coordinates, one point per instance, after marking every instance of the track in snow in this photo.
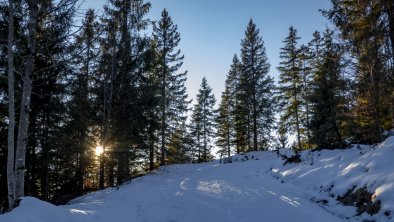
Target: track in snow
(239, 192)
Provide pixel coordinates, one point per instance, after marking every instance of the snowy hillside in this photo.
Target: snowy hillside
(255, 187)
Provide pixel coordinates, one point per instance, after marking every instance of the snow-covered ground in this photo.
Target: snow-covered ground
(255, 187)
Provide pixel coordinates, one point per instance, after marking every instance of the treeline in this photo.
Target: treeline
(116, 81)
(71, 84)
(333, 91)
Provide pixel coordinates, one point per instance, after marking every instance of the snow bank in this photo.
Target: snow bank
(34, 210)
(328, 174)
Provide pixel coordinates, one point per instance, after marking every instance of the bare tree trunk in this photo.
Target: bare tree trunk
(20, 153)
(151, 149)
(228, 139)
(198, 144)
(297, 124)
(11, 109)
(254, 104)
(163, 119)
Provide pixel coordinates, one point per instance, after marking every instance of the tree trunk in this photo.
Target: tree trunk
(254, 104)
(163, 119)
(228, 139)
(297, 123)
(306, 86)
(111, 176)
(120, 172)
(151, 149)
(11, 109)
(20, 153)
(198, 144)
(101, 179)
(45, 159)
(204, 122)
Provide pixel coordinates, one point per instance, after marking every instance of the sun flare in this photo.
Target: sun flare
(99, 150)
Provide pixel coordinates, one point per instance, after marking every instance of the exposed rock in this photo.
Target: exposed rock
(296, 158)
(362, 199)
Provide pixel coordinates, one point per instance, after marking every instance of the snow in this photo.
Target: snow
(335, 172)
(255, 187)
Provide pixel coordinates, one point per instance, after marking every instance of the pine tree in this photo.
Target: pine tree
(282, 139)
(225, 129)
(327, 98)
(229, 127)
(173, 97)
(291, 83)
(258, 86)
(80, 106)
(366, 26)
(48, 105)
(203, 121)
(125, 80)
(179, 146)
(238, 107)
(306, 65)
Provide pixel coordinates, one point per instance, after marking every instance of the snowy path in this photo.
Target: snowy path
(239, 192)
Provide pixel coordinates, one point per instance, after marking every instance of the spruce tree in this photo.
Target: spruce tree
(258, 86)
(203, 121)
(224, 123)
(327, 100)
(238, 105)
(179, 146)
(124, 82)
(229, 127)
(366, 27)
(80, 106)
(173, 97)
(291, 83)
(306, 65)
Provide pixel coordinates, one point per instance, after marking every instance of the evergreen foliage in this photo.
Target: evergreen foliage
(291, 83)
(173, 97)
(257, 88)
(203, 120)
(326, 97)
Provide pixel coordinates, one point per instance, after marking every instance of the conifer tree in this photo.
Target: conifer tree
(229, 127)
(203, 121)
(179, 146)
(306, 66)
(124, 83)
(80, 107)
(282, 139)
(327, 98)
(366, 26)
(291, 83)
(238, 105)
(258, 86)
(224, 123)
(173, 97)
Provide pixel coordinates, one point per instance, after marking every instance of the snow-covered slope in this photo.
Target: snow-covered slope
(255, 187)
(325, 175)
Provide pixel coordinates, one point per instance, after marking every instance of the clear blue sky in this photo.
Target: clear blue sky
(211, 31)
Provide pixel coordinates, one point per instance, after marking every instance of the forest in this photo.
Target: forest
(92, 102)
